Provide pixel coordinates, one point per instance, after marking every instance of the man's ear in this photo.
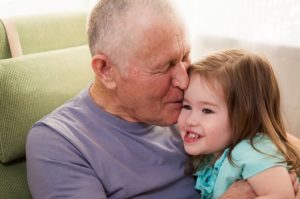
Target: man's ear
(104, 70)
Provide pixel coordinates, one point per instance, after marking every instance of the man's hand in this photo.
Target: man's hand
(298, 192)
(241, 190)
(295, 183)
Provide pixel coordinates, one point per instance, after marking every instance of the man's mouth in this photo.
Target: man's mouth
(177, 104)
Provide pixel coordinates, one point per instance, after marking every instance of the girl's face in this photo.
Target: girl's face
(203, 121)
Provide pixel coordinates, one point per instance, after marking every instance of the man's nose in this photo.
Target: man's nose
(180, 76)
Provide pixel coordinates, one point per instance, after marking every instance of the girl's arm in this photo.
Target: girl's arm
(272, 183)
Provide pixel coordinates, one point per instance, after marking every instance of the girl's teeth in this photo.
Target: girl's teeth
(192, 135)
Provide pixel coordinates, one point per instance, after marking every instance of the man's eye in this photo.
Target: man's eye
(187, 107)
(186, 58)
(172, 64)
(207, 111)
(167, 67)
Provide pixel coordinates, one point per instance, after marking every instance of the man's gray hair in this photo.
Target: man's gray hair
(107, 24)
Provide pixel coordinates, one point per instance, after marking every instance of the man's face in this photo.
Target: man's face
(152, 89)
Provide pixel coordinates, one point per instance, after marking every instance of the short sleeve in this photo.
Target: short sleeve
(55, 169)
(255, 160)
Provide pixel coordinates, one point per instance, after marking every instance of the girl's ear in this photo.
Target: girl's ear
(104, 70)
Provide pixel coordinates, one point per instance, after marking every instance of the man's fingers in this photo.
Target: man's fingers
(298, 193)
(296, 187)
(293, 176)
(295, 182)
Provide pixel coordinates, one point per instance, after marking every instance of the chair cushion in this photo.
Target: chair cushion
(39, 33)
(32, 86)
(13, 182)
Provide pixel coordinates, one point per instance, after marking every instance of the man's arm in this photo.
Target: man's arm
(240, 189)
(57, 169)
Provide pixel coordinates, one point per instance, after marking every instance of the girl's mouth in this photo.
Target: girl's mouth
(191, 137)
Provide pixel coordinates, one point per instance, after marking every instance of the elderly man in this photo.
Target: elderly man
(114, 140)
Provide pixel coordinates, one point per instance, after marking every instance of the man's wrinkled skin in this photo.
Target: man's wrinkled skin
(242, 190)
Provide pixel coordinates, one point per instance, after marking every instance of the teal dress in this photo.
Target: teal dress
(214, 180)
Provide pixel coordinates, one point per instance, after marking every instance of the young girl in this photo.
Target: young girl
(231, 125)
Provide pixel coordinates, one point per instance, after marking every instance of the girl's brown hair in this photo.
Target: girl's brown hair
(253, 99)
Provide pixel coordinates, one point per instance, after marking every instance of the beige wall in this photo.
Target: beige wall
(285, 60)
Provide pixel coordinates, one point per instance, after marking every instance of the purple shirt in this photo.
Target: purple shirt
(81, 151)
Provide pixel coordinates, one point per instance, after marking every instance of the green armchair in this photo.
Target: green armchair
(31, 86)
(39, 33)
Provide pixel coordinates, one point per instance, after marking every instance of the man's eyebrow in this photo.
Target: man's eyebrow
(187, 53)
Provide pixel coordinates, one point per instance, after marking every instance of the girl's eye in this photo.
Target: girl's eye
(207, 111)
(187, 107)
